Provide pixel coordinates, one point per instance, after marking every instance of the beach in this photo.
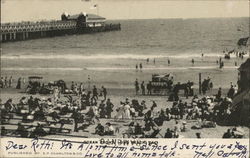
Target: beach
(110, 59)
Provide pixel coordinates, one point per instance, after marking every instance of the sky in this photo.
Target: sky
(35, 10)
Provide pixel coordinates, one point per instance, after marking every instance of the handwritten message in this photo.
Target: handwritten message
(125, 148)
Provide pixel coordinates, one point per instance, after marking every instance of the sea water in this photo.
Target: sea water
(112, 56)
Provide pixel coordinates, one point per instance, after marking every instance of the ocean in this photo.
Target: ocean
(114, 54)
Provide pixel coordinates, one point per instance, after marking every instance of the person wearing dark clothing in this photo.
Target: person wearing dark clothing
(154, 105)
(140, 66)
(136, 86)
(148, 115)
(3, 131)
(168, 134)
(149, 88)
(142, 88)
(104, 92)
(95, 93)
(109, 129)
(228, 134)
(160, 119)
(102, 110)
(109, 108)
(198, 135)
(218, 96)
(8, 105)
(231, 92)
(76, 115)
(39, 115)
(181, 108)
(88, 98)
(99, 129)
(72, 86)
(168, 62)
(38, 131)
(138, 129)
(18, 86)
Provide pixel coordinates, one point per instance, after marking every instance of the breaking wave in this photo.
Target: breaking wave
(107, 56)
(116, 68)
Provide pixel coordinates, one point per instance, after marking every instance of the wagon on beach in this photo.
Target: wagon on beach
(34, 84)
(161, 84)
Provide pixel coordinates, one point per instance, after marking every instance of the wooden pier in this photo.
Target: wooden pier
(33, 30)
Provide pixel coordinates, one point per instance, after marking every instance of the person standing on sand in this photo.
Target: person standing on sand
(142, 88)
(104, 92)
(136, 87)
(218, 96)
(10, 81)
(6, 82)
(149, 88)
(120, 111)
(95, 93)
(193, 61)
(136, 67)
(18, 86)
(109, 108)
(127, 111)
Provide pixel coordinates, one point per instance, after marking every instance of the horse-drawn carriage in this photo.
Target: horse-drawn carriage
(161, 84)
(35, 86)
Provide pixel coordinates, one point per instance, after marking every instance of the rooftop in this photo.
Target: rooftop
(89, 16)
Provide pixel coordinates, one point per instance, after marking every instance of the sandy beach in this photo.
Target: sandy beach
(117, 95)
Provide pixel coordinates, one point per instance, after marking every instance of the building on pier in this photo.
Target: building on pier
(74, 24)
(85, 20)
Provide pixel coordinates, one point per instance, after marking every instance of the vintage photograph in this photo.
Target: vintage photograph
(125, 69)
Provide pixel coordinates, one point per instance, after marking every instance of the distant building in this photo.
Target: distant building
(85, 20)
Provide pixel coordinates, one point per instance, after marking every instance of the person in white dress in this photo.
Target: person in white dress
(120, 112)
(127, 111)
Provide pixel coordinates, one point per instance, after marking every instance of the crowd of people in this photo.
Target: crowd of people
(7, 82)
(84, 108)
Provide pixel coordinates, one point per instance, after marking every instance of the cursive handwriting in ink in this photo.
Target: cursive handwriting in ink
(37, 144)
(13, 145)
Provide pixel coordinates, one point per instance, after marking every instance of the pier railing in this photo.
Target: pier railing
(41, 29)
(37, 26)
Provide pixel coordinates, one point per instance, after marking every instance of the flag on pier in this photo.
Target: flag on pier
(94, 6)
(243, 41)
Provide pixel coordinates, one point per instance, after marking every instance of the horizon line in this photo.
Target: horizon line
(140, 19)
